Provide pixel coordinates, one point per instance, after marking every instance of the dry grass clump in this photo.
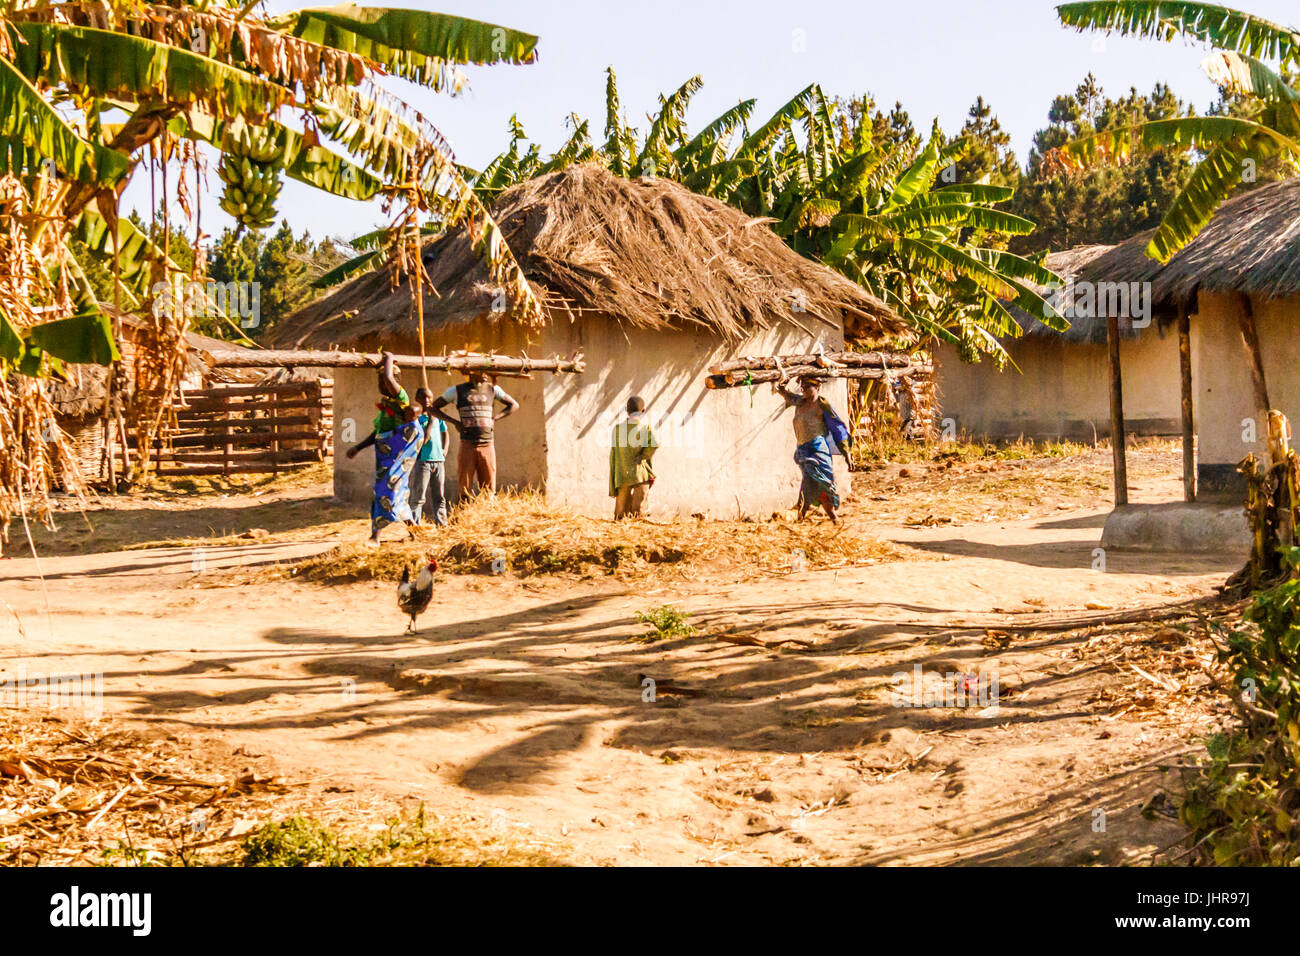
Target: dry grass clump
(88, 793)
(78, 795)
(524, 535)
(886, 446)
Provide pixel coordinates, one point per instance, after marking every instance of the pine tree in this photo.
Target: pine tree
(990, 158)
(1103, 204)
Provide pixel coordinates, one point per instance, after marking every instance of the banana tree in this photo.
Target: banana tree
(212, 73)
(1250, 56)
(92, 93)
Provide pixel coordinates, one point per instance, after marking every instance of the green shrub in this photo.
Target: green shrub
(1242, 802)
(664, 623)
(298, 841)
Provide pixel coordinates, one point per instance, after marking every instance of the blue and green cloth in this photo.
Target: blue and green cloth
(395, 456)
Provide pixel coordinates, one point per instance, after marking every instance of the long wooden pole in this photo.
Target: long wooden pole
(822, 360)
(1189, 422)
(1250, 336)
(741, 379)
(1118, 439)
(305, 358)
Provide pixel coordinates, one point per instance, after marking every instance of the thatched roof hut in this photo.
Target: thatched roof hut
(82, 396)
(654, 284)
(1251, 246)
(648, 253)
(1057, 387)
(1235, 292)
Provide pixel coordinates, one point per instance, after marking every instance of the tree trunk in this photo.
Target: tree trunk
(1250, 337)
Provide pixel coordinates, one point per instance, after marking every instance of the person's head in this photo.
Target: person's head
(635, 404)
(411, 411)
(423, 397)
(812, 388)
(477, 378)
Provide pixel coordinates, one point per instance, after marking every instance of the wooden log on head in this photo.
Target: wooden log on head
(738, 379)
(820, 359)
(468, 362)
(1189, 426)
(1118, 438)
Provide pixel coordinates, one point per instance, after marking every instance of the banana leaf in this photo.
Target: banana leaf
(102, 63)
(12, 345)
(83, 339)
(1167, 20)
(32, 131)
(414, 44)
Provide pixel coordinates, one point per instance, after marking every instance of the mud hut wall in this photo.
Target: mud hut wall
(520, 439)
(721, 451)
(1061, 389)
(1225, 398)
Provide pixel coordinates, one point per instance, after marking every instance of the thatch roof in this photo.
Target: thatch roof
(648, 253)
(1251, 245)
(1087, 324)
(82, 395)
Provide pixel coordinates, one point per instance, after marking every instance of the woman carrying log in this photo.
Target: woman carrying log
(396, 438)
(819, 433)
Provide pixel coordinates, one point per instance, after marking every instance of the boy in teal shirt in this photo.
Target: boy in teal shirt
(429, 477)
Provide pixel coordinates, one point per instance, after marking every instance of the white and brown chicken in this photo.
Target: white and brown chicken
(413, 597)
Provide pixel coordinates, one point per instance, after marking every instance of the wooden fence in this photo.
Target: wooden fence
(249, 429)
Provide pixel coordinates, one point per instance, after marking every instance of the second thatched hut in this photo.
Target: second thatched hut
(1056, 387)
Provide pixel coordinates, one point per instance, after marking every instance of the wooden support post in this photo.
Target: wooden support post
(275, 440)
(124, 436)
(1189, 427)
(1250, 337)
(1117, 435)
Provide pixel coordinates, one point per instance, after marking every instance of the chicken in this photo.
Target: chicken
(413, 597)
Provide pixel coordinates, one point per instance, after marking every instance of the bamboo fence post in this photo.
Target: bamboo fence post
(1185, 380)
(1117, 436)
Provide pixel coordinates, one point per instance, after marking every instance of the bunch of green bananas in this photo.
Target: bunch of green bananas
(251, 172)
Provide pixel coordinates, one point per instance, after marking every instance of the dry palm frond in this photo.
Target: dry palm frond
(161, 352)
(34, 453)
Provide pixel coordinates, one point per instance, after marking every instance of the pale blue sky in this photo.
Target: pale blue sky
(935, 56)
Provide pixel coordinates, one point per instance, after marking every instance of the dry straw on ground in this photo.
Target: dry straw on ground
(522, 534)
(86, 795)
(79, 794)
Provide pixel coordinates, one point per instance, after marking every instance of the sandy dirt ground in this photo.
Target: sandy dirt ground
(773, 735)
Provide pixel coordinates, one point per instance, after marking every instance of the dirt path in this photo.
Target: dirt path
(523, 703)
